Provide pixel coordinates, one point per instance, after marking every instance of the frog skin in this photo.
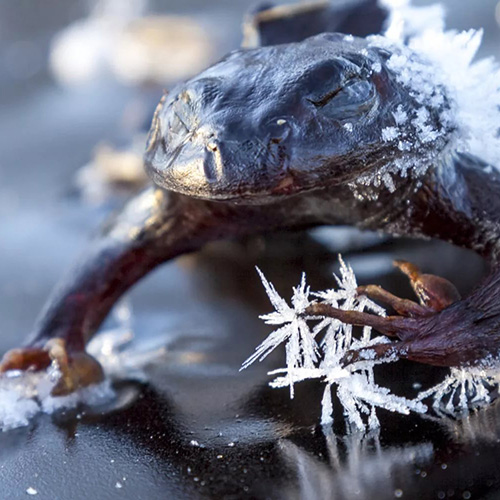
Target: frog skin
(277, 137)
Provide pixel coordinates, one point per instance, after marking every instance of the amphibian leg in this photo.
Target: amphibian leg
(154, 227)
(433, 291)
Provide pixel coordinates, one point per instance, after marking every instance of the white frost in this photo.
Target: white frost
(301, 348)
(23, 395)
(389, 134)
(458, 96)
(308, 357)
(356, 389)
(348, 126)
(462, 390)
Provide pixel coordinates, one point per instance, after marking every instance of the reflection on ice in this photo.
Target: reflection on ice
(482, 426)
(358, 466)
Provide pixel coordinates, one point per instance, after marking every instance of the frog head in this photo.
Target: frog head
(275, 121)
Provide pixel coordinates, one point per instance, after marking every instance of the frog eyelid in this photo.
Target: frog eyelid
(326, 98)
(319, 103)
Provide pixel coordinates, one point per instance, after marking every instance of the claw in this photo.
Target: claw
(77, 369)
(438, 332)
(28, 358)
(404, 307)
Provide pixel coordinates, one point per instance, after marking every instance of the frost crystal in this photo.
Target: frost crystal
(463, 389)
(25, 394)
(348, 126)
(301, 348)
(457, 98)
(306, 358)
(389, 134)
(356, 388)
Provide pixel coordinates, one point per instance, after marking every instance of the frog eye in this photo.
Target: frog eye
(347, 102)
(319, 103)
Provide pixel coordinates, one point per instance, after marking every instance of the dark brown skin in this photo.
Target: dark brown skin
(257, 143)
(460, 206)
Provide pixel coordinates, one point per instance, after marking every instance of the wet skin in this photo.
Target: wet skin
(276, 138)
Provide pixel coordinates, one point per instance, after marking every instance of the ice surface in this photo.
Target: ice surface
(24, 395)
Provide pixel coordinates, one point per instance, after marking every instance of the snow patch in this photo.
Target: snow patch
(25, 394)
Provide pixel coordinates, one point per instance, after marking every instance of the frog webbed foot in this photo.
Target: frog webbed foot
(77, 369)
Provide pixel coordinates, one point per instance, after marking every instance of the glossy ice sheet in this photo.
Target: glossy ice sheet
(199, 428)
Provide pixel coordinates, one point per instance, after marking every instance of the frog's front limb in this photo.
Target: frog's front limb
(154, 227)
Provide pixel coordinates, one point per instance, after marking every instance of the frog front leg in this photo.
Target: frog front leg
(154, 227)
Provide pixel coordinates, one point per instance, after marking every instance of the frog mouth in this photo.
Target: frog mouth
(203, 166)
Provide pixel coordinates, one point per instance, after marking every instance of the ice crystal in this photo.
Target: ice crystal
(301, 348)
(389, 134)
(319, 352)
(463, 389)
(457, 97)
(25, 394)
(305, 359)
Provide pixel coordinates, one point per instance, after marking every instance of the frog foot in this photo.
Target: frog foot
(77, 369)
(421, 329)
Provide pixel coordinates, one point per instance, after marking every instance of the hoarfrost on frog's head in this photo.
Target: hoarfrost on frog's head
(457, 98)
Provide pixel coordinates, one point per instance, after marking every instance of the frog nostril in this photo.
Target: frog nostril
(212, 146)
(277, 130)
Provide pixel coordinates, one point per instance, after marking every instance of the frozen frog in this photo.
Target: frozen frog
(327, 130)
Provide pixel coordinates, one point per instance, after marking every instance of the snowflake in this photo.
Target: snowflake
(356, 388)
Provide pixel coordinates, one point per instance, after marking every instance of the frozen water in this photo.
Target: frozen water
(24, 395)
(356, 389)
(301, 348)
(458, 97)
(319, 352)
(462, 390)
